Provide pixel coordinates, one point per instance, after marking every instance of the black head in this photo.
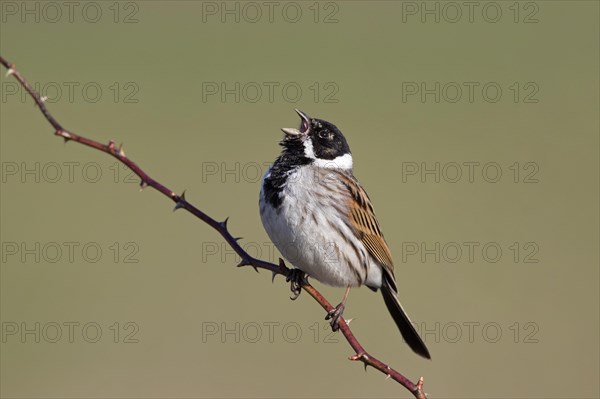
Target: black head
(318, 140)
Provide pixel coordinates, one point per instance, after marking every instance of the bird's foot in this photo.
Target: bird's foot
(296, 278)
(334, 315)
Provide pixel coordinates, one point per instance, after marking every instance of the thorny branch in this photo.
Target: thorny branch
(221, 227)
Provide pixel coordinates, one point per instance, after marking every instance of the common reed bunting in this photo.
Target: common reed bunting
(321, 219)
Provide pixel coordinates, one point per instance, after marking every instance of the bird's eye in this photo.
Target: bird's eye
(323, 134)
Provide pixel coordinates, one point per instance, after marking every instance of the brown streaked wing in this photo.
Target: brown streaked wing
(364, 222)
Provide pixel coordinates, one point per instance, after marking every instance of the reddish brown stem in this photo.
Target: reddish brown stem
(221, 227)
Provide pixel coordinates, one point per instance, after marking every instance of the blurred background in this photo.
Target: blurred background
(474, 129)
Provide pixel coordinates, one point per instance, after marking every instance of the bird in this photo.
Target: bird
(322, 221)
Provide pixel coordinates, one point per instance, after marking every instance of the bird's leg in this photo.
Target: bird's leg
(337, 312)
(296, 278)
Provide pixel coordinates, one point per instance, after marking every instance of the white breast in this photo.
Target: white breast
(309, 230)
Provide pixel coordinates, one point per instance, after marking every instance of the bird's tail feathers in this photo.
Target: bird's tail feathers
(410, 335)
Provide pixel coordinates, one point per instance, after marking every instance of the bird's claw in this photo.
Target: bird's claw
(296, 278)
(334, 315)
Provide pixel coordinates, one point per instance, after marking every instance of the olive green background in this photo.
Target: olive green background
(546, 312)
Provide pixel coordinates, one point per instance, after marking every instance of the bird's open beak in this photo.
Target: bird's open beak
(304, 126)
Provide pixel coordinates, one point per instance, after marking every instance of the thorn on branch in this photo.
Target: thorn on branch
(121, 151)
(420, 384)
(143, 184)
(387, 374)
(10, 71)
(247, 262)
(243, 262)
(111, 146)
(64, 134)
(224, 223)
(180, 201)
(282, 266)
(359, 356)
